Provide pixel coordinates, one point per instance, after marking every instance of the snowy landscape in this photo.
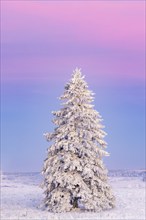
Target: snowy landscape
(21, 198)
(61, 133)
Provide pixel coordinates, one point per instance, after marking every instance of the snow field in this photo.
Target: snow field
(21, 199)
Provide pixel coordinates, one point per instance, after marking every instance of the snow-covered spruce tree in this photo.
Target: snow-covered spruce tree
(74, 173)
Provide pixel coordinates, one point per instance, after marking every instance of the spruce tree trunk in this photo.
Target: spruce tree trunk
(75, 202)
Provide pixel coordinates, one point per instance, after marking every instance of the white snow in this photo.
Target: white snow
(21, 198)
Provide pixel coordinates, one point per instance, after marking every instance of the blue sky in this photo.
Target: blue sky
(26, 115)
(42, 42)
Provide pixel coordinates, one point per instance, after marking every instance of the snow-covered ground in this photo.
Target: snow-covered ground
(21, 198)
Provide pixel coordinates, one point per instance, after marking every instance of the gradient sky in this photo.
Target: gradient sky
(42, 42)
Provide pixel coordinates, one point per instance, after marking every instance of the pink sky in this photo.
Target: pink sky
(110, 22)
(105, 35)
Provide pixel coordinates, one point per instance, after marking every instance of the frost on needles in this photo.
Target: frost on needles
(74, 173)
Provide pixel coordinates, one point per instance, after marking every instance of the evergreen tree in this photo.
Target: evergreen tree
(74, 173)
